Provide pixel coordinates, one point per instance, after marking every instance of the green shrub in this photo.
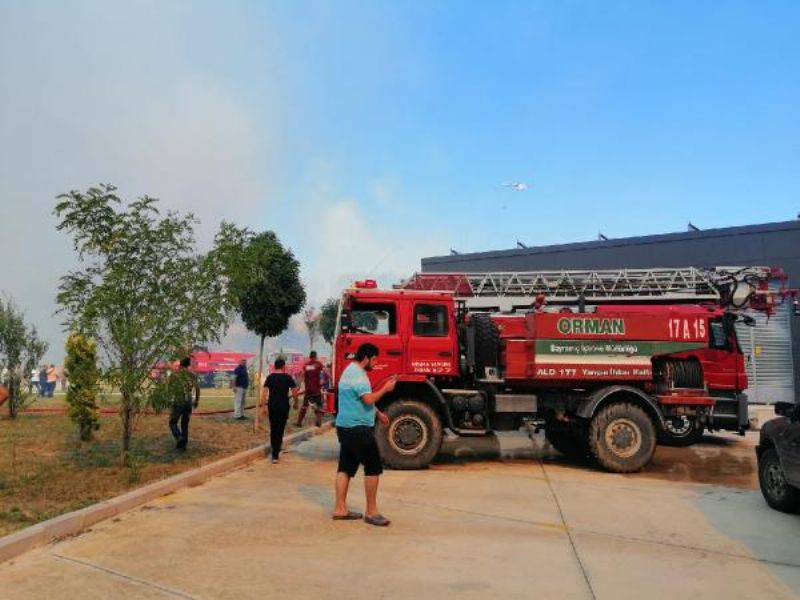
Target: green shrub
(84, 382)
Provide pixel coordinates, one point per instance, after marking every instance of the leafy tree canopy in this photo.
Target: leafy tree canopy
(20, 352)
(143, 292)
(327, 320)
(264, 279)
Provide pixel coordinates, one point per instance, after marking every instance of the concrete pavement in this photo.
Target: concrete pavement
(475, 525)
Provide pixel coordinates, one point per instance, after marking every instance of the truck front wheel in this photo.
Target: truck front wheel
(777, 492)
(622, 437)
(413, 437)
(680, 431)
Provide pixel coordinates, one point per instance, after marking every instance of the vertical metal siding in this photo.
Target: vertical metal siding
(767, 348)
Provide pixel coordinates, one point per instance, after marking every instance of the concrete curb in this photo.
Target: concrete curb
(75, 522)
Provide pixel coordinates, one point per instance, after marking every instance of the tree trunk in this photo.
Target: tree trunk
(12, 399)
(258, 382)
(127, 426)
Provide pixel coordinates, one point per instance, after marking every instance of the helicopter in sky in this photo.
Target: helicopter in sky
(517, 186)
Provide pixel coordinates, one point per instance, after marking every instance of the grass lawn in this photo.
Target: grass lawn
(210, 399)
(45, 471)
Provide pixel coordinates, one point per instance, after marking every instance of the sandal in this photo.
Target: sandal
(350, 516)
(377, 520)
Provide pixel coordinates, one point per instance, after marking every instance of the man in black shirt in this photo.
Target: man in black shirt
(276, 389)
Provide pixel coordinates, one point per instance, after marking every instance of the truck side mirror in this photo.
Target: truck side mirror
(346, 321)
(748, 320)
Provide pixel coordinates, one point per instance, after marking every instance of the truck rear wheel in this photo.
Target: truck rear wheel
(681, 434)
(413, 437)
(622, 437)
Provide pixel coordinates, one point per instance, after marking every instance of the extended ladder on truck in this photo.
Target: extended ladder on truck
(505, 291)
(733, 288)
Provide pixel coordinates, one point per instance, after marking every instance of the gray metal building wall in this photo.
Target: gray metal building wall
(771, 244)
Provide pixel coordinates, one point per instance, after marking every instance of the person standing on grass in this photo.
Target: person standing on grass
(355, 427)
(312, 386)
(43, 381)
(52, 378)
(241, 383)
(185, 395)
(34, 382)
(276, 395)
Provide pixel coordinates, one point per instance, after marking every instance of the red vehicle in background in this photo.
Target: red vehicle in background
(205, 364)
(581, 355)
(217, 361)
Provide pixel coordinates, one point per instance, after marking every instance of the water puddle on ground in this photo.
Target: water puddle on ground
(723, 459)
(719, 459)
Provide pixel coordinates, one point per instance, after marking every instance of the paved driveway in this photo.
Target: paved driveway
(492, 519)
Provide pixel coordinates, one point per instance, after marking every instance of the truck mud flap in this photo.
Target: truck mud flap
(731, 414)
(590, 405)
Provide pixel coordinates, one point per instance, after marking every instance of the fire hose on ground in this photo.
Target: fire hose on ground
(57, 410)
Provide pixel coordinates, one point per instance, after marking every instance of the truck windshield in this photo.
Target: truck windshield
(718, 337)
(373, 319)
(722, 334)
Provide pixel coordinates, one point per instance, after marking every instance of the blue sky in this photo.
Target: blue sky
(628, 118)
(370, 134)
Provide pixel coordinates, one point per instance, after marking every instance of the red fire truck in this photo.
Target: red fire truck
(205, 364)
(587, 356)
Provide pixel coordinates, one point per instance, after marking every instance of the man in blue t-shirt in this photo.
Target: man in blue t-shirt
(355, 427)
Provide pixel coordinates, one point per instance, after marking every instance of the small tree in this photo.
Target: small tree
(20, 352)
(327, 319)
(144, 293)
(311, 321)
(263, 282)
(81, 368)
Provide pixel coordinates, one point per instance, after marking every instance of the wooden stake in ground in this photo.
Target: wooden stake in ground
(259, 388)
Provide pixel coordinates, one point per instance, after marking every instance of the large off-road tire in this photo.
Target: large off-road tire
(487, 343)
(622, 437)
(686, 434)
(413, 437)
(774, 487)
(571, 441)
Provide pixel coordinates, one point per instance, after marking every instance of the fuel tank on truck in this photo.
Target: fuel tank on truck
(609, 344)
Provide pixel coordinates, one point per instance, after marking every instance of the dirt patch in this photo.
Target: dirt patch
(45, 471)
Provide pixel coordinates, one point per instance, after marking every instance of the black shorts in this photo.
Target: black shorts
(358, 447)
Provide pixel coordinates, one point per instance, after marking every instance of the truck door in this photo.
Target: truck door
(724, 361)
(432, 344)
(375, 323)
